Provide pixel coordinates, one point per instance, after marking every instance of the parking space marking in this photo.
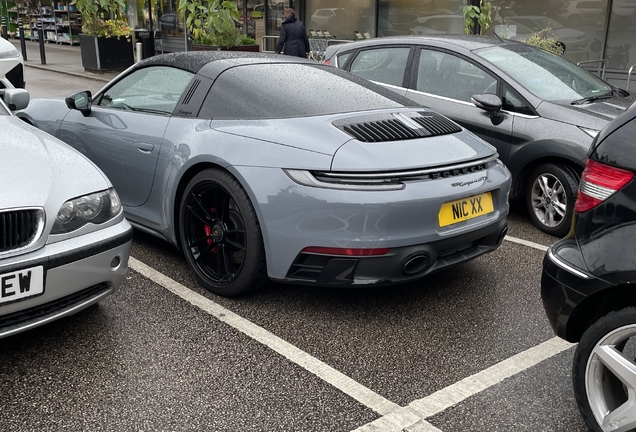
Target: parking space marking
(411, 418)
(470, 386)
(526, 243)
(325, 372)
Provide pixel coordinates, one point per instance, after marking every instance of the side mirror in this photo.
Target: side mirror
(81, 101)
(16, 99)
(488, 102)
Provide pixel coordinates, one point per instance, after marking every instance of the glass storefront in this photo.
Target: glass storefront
(578, 24)
(341, 19)
(620, 49)
(591, 29)
(408, 17)
(168, 20)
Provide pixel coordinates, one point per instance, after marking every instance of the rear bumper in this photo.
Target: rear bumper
(566, 284)
(399, 265)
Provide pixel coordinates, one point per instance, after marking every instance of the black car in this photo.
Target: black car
(588, 281)
(539, 110)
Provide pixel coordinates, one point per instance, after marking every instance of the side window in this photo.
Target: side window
(155, 89)
(514, 103)
(342, 59)
(446, 75)
(385, 65)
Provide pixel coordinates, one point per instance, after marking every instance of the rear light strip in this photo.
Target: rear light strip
(346, 251)
(598, 183)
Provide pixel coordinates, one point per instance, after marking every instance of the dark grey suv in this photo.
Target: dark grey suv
(539, 110)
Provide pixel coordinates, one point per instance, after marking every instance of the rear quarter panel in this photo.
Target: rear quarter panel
(190, 145)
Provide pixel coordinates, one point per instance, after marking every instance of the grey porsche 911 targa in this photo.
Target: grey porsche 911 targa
(260, 166)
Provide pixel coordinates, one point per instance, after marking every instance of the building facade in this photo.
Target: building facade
(597, 33)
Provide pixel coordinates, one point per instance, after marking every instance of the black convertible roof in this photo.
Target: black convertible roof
(194, 61)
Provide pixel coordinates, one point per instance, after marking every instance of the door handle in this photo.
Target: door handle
(144, 147)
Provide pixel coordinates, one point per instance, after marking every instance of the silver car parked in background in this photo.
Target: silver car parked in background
(259, 165)
(64, 242)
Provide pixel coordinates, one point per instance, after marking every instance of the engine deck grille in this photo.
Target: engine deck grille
(397, 126)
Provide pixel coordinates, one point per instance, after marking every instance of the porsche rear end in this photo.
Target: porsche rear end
(409, 193)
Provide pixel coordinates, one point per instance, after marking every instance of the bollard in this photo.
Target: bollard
(22, 39)
(5, 33)
(138, 48)
(40, 28)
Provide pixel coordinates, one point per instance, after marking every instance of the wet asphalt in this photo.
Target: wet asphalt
(145, 359)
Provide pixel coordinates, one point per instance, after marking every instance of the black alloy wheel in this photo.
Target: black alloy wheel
(551, 191)
(220, 234)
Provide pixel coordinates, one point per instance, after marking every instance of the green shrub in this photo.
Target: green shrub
(94, 23)
(545, 40)
(483, 13)
(213, 22)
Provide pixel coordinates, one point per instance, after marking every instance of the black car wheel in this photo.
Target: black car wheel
(220, 234)
(550, 195)
(604, 373)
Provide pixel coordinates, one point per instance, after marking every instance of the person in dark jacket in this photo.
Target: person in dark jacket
(293, 36)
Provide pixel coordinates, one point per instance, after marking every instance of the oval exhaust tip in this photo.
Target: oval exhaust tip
(415, 264)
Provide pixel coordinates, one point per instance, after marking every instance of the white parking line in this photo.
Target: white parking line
(325, 372)
(470, 386)
(526, 243)
(411, 418)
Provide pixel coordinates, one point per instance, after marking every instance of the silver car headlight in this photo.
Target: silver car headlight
(9, 54)
(95, 208)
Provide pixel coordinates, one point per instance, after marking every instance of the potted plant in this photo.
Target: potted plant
(105, 41)
(212, 25)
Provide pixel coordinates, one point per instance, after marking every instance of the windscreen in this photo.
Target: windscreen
(268, 91)
(547, 76)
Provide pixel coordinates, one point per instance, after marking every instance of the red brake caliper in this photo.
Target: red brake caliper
(208, 232)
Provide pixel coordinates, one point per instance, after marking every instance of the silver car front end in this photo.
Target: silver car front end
(75, 273)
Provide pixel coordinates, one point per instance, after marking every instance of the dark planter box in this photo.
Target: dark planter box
(250, 48)
(106, 54)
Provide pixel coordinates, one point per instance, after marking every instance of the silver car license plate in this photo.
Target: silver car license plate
(21, 284)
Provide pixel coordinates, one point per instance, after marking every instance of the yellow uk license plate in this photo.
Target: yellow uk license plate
(464, 209)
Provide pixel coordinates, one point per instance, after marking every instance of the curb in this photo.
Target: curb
(75, 74)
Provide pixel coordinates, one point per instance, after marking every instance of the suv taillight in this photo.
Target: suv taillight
(598, 183)
(328, 62)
